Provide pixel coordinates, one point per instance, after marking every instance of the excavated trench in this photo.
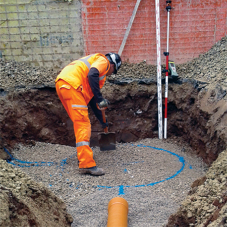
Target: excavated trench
(196, 115)
(31, 112)
(36, 114)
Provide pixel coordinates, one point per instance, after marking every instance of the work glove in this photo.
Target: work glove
(104, 125)
(103, 103)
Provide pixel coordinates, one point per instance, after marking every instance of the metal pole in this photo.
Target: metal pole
(129, 27)
(159, 79)
(168, 8)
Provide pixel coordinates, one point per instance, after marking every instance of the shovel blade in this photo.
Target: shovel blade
(107, 141)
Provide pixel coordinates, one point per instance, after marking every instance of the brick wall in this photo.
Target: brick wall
(52, 32)
(42, 32)
(195, 25)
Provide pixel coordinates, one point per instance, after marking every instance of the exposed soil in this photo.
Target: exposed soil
(27, 203)
(31, 112)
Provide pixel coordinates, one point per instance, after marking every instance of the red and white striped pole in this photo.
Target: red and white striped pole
(159, 79)
(168, 8)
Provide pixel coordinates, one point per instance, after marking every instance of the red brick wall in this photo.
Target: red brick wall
(195, 25)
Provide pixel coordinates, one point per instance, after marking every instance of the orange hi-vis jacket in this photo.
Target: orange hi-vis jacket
(76, 73)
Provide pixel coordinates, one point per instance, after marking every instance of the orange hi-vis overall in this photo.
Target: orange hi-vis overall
(75, 93)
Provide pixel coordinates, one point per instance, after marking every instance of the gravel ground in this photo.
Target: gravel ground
(153, 175)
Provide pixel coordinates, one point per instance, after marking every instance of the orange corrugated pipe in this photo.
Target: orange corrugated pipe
(117, 212)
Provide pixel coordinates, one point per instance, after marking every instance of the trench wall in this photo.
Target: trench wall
(54, 32)
(196, 116)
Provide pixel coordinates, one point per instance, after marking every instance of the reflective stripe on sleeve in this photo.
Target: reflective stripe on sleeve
(83, 143)
(102, 77)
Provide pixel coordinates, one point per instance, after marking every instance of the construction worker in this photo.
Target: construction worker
(78, 85)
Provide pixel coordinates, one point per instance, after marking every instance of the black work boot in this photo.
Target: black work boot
(93, 171)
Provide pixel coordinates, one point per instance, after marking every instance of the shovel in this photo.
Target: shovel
(107, 140)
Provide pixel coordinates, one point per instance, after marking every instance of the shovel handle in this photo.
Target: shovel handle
(103, 116)
(104, 119)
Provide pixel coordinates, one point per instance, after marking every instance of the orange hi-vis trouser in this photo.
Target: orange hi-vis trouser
(76, 107)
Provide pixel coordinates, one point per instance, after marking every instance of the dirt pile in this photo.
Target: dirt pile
(15, 75)
(210, 67)
(206, 203)
(27, 203)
